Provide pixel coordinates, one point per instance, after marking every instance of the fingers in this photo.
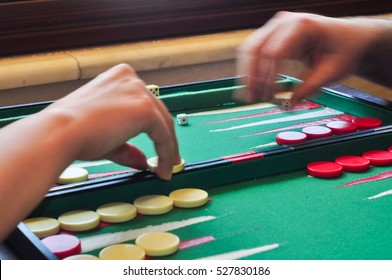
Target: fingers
(160, 129)
(120, 70)
(254, 66)
(285, 36)
(326, 71)
(169, 120)
(159, 126)
(128, 155)
(161, 133)
(266, 84)
(156, 121)
(120, 100)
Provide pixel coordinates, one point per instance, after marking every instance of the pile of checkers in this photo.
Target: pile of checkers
(330, 169)
(57, 234)
(331, 128)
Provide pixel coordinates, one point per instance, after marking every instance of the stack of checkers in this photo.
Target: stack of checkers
(331, 169)
(331, 128)
(67, 246)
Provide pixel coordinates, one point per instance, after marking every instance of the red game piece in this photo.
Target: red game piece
(324, 169)
(390, 149)
(317, 131)
(366, 123)
(353, 163)
(290, 137)
(342, 127)
(63, 245)
(378, 157)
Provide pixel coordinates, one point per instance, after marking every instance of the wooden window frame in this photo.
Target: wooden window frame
(49, 25)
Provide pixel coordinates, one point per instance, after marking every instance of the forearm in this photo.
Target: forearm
(34, 152)
(376, 64)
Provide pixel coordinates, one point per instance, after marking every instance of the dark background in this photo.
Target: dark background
(43, 25)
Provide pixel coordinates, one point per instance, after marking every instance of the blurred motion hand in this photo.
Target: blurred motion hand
(331, 47)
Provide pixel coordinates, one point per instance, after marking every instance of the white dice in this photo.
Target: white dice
(182, 119)
(154, 89)
(286, 104)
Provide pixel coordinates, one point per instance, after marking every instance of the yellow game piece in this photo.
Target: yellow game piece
(117, 212)
(283, 95)
(86, 257)
(152, 164)
(43, 226)
(179, 167)
(157, 244)
(79, 220)
(122, 252)
(73, 175)
(283, 99)
(189, 197)
(153, 204)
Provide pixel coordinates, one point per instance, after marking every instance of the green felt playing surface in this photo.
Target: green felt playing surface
(216, 129)
(309, 218)
(198, 142)
(268, 201)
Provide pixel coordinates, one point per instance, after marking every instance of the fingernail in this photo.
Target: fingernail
(164, 174)
(167, 177)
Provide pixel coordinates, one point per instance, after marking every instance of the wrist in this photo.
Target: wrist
(58, 131)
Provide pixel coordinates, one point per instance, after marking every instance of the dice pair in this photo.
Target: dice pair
(182, 119)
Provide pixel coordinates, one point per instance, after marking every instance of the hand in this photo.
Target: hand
(331, 47)
(113, 108)
(93, 122)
